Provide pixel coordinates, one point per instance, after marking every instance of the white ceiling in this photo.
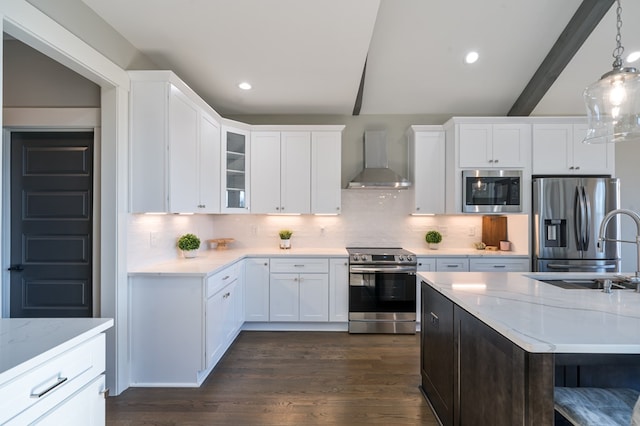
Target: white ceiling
(307, 56)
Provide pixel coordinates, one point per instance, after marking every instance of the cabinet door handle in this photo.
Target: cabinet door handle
(495, 161)
(60, 381)
(435, 321)
(266, 264)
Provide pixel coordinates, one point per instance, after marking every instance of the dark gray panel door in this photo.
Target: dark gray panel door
(51, 224)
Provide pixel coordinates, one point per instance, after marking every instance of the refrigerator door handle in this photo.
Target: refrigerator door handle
(577, 214)
(587, 214)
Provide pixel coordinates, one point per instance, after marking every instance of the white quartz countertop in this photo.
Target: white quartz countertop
(211, 261)
(539, 317)
(26, 342)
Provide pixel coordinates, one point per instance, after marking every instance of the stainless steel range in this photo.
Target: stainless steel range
(382, 290)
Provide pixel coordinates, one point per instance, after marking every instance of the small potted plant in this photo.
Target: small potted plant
(433, 238)
(285, 238)
(189, 244)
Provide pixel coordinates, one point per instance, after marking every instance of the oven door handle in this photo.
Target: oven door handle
(383, 270)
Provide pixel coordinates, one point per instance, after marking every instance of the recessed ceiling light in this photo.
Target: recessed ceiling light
(471, 57)
(244, 85)
(633, 56)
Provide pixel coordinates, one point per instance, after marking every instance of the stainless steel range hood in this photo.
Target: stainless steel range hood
(376, 173)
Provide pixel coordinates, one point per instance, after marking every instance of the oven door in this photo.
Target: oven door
(385, 289)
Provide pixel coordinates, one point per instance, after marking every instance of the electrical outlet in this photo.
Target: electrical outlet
(254, 230)
(444, 230)
(472, 231)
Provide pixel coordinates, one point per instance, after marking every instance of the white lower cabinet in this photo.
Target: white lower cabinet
(339, 290)
(299, 290)
(180, 326)
(452, 264)
(66, 389)
(256, 285)
(492, 264)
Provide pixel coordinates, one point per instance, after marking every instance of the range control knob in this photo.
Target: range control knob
(400, 258)
(363, 257)
(355, 257)
(409, 258)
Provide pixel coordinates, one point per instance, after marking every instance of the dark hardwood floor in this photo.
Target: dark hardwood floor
(293, 378)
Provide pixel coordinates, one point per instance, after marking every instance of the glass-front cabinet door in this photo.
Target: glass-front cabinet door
(235, 172)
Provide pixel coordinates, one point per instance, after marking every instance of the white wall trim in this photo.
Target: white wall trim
(29, 25)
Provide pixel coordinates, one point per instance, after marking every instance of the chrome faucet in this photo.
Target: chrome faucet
(601, 238)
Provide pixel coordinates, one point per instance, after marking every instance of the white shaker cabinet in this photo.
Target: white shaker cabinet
(558, 149)
(52, 371)
(281, 174)
(499, 264)
(299, 289)
(180, 325)
(174, 146)
(256, 299)
(339, 290)
(326, 172)
(494, 145)
(452, 264)
(427, 168)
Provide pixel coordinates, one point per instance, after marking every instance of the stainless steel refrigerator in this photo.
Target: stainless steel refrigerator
(567, 212)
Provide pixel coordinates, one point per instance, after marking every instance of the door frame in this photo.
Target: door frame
(49, 120)
(26, 23)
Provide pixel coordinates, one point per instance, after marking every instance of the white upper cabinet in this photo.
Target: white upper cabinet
(174, 147)
(296, 169)
(208, 163)
(281, 172)
(558, 149)
(494, 145)
(427, 168)
(326, 172)
(236, 156)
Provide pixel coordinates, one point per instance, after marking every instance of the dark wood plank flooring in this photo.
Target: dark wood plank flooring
(293, 378)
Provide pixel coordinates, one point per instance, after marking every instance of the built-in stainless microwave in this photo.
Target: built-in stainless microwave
(492, 191)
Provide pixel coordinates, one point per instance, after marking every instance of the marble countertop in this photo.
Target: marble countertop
(27, 342)
(211, 261)
(539, 317)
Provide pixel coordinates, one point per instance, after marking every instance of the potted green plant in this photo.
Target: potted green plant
(285, 238)
(189, 244)
(433, 238)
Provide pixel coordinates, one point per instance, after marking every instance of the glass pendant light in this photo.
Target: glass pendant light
(613, 102)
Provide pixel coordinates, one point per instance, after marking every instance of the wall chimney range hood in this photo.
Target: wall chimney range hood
(376, 173)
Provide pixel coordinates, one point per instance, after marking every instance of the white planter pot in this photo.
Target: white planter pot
(433, 246)
(189, 254)
(285, 244)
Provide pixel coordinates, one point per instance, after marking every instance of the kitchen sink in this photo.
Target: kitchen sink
(617, 283)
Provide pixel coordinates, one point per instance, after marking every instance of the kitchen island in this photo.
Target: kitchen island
(52, 370)
(496, 344)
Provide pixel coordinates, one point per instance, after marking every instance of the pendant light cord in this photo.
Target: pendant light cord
(619, 50)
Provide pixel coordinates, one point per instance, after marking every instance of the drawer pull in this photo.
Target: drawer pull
(499, 266)
(225, 278)
(452, 266)
(60, 381)
(299, 266)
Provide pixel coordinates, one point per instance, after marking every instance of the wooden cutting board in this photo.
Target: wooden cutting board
(494, 230)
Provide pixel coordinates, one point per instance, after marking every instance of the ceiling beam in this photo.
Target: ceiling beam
(358, 104)
(586, 18)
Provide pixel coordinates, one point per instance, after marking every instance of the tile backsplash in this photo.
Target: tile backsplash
(369, 218)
